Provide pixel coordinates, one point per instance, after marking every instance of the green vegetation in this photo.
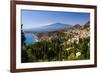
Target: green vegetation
(59, 46)
(24, 55)
(53, 50)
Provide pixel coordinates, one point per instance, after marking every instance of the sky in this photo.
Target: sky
(36, 18)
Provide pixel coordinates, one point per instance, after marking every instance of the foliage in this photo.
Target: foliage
(24, 55)
(46, 50)
(56, 48)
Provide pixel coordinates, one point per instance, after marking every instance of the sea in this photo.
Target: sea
(30, 38)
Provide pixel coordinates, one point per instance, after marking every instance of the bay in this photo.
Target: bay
(30, 38)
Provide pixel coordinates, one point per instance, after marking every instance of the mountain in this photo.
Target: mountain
(77, 26)
(51, 27)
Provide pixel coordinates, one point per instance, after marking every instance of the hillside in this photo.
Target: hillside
(61, 45)
(72, 34)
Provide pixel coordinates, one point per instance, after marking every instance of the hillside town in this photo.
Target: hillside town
(71, 35)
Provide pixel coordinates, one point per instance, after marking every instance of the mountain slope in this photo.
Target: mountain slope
(51, 27)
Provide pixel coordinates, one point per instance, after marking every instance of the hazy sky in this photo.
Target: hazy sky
(36, 18)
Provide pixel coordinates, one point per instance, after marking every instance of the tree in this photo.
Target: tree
(24, 56)
(22, 36)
